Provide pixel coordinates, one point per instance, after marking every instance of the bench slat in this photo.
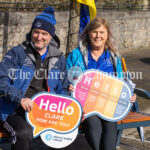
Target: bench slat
(3, 133)
(135, 117)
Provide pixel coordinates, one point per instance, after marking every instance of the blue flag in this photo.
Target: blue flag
(87, 12)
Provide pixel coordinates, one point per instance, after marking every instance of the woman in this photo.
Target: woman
(96, 51)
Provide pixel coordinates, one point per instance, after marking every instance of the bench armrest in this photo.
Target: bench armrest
(142, 93)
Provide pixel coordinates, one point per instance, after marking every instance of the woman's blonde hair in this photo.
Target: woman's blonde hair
(94, 24)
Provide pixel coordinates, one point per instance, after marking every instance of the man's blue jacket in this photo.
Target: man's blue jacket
(17, 70)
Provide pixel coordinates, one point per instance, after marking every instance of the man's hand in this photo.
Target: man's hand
(26, 104)
(71, 88)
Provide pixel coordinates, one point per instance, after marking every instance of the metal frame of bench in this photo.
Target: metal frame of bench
(139, 124)
(4, 140)
(130, 122)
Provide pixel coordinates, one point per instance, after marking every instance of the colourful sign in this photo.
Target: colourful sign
(56, 113)
(103, 95)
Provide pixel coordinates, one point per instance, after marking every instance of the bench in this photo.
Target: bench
(135, 118)
(4, 135)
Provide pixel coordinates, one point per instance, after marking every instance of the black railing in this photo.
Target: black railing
(123, 7)
(17, 6)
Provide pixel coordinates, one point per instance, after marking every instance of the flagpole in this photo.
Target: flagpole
(73, 26)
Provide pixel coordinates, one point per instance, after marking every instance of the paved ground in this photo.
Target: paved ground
(137, 61)
(81, 144)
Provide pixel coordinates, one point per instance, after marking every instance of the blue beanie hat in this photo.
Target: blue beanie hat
(45, 21)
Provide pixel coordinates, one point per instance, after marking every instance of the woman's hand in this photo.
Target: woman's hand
(83, 116)
(71, 88)
(133, 98)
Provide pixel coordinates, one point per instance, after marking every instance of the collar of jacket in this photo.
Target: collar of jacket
(52, 51)
(84, 50)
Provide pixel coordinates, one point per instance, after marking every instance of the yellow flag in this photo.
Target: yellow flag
(92, 7)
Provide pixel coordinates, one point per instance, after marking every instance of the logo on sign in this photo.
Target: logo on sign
(48, 137)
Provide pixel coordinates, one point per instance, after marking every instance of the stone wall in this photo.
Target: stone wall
(15, 25)
(134, 2)
(131, 29)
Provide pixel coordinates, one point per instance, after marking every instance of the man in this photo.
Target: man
(34, 66)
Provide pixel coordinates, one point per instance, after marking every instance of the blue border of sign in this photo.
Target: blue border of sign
(97, 113)
(49, 129)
